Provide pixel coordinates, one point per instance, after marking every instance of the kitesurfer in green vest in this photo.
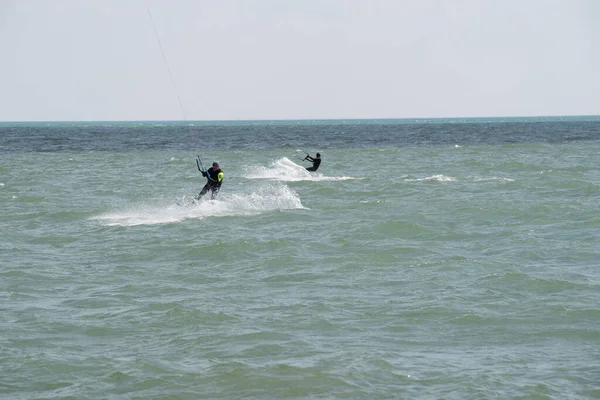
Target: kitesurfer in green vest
(214, 175)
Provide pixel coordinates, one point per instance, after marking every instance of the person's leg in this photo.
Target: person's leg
(203, 192)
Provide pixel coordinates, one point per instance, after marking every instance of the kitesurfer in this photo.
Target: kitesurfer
(214, 176)
(316, 162)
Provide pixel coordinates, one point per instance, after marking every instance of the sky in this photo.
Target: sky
(111, 60)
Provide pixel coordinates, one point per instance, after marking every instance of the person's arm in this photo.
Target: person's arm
(309, 158)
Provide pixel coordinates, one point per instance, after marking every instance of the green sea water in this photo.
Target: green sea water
(455, 271)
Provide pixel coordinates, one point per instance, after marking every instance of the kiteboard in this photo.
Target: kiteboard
(187, 202)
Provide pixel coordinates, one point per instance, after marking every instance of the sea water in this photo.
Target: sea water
(455, 259)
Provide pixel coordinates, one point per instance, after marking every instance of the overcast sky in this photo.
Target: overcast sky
(64, 60)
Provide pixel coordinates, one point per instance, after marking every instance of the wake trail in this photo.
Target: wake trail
(286, 170)
(269, 198)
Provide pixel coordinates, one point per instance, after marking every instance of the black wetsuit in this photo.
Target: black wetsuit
(316, 162)
(213, 184)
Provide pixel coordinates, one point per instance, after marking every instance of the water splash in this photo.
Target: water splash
(286, 170)
(268, 198)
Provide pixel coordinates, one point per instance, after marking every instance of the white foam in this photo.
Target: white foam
(494, 179)
(269, 198)
(286, 170)
(443, 178)
(438, 178)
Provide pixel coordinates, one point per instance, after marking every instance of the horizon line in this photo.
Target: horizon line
(554, 117)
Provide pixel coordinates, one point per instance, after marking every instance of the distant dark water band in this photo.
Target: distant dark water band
(177, 137)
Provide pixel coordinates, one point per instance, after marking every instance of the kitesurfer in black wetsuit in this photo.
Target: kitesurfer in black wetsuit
(316, 162)
(214, 175)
